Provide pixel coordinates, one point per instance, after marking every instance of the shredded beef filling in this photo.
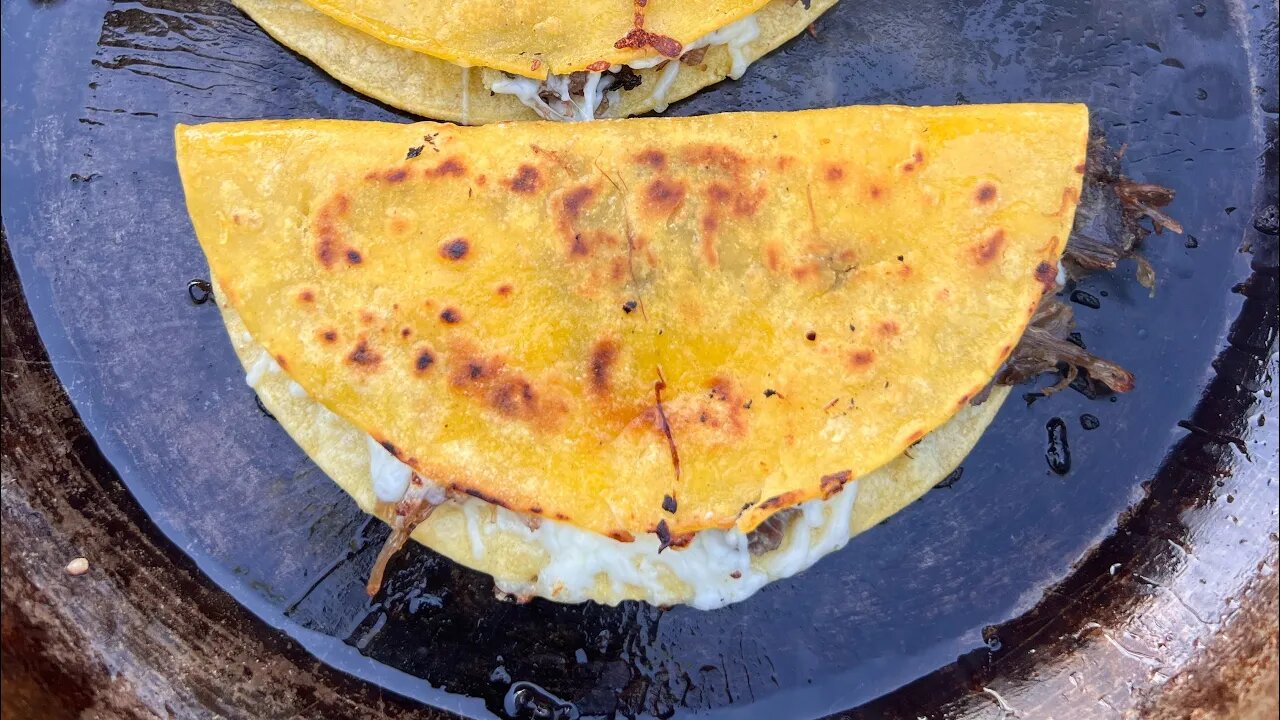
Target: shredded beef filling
(1110, 223)
(768, 535)
(1045, 347)
(627, 79)
(408, 514)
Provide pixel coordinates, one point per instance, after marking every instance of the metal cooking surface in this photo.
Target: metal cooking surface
(104, 248)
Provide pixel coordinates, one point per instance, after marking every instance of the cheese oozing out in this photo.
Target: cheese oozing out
(572, 107)
(716, 567)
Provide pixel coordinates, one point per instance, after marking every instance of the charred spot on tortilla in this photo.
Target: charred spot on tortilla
(669, 504)
(451, 167)
(603, 356)
(424, 360)
(525, 180)
(917, 160)
(364, 356)
(655, 159)
(664, 535)
(576, 199)
(715, 156)
(1046, 275)
(985, 194)
(834, 483)
(664, 196)
(450, 316)
(988, 248)
(480, 495)
(515, 397)
(455, 249)
(862, 358)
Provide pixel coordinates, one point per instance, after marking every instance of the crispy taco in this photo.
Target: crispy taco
(482, 61)
(668, 359)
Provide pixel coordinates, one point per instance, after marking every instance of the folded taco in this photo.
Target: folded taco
(668, 359)
(480, 61)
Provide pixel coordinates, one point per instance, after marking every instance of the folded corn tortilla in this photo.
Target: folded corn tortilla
(461, 89)
(646, 332)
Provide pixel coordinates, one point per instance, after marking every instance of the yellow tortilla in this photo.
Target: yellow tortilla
(436, 88)
(531, 39)
(817, 291)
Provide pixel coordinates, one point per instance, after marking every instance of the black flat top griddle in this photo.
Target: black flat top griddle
(955, 593)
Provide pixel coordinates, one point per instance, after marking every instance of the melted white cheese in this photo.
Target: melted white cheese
(591, 97)
(526, 91)
(260, 367)
(578, 559)
(570, 107)
(390, 476)
(663, 85)
(734, 36)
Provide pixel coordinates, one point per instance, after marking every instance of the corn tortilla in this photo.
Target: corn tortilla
(437, 88)
(745, 312)
(531, 39)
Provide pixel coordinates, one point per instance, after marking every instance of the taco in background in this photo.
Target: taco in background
(668, 359)
(482, 61)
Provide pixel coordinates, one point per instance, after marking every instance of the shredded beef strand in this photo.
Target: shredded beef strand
(409, 513)
(1044, 348)
(768, 535)
(1109, 225)
(1146, 199)
(1132, 202)
(1090, 254)
(694, 57)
